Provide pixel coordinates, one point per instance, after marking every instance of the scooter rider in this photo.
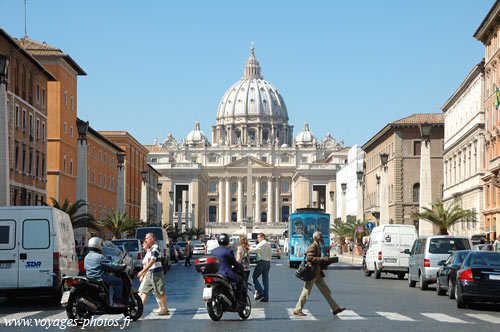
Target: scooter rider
(95, 263)
(230, 268)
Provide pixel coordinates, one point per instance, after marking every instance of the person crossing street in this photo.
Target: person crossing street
(263, 266)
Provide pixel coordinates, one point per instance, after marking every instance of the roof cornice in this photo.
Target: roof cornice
(487, 23)
(475, 72)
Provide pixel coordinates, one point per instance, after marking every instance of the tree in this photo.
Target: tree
(118, 223)
(341, 229)
(77, 219)
(352, 225)
(445, 216)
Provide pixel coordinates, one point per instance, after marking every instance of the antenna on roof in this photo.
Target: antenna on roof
(25, 30)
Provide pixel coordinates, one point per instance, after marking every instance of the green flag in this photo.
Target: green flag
(497, 99)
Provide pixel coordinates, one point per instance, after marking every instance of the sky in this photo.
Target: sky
(347, 67)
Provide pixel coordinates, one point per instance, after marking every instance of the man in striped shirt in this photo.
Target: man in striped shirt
(151, 276)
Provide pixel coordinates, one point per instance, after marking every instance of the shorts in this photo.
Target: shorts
(154, 282)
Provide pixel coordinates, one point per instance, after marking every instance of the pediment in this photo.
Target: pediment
(243, 163)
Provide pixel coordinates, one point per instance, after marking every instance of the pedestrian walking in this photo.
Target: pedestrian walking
(151, 276)
(496, 244)
(263, 266)
(242, 256)
(188, 253)
(314, 258)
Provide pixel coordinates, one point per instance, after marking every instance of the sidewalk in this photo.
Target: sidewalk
(351, 260)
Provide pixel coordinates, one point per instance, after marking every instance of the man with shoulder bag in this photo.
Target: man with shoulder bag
(314, 259)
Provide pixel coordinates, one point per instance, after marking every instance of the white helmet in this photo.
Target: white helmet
(95, 243)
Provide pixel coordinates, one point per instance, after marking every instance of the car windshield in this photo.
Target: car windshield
(483, 259)
(128, 245)
(157, 231)
(448, 245)
(111, 251)
(460, 256)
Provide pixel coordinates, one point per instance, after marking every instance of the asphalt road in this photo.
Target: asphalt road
(387, 304)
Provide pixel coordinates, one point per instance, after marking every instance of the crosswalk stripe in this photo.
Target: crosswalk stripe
(201, 313)
(257, 313)
(294, 317)
(153, 315)
(20, 315)
(349, 315)
(58, 315)
(444, 318)
(395, 316)
(486, 317)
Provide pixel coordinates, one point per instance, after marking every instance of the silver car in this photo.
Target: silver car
(134, 249)
(427, 252)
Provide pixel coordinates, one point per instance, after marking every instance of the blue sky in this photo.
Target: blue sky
(347, 67)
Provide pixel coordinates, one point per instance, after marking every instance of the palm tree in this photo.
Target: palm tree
(77, 219)
(118, 223)
(353, 225)
(341, 229)
(445, 216)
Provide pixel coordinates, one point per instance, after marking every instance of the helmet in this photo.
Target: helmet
(95, 243)
(223, 239)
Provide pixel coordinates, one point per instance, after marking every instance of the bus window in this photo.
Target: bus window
(297, 226)
(310, 225)
(323, 225)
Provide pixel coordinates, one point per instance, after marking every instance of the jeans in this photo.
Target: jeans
(188, 260)
(117, 285)
(262, 268)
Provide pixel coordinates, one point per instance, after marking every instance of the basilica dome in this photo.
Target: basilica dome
(196, 137)
(305, 137)
(252, 99)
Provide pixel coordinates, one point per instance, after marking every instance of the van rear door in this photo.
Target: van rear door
(390, 245)
(408, 236)
(9, 254)
(35, 253)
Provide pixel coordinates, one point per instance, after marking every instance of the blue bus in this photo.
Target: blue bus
(303, 223)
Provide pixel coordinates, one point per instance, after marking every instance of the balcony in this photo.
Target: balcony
(494, 164)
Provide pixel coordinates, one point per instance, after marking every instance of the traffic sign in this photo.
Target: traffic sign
(360, 229)
(369, 225)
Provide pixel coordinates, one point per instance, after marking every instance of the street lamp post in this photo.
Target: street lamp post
(171, 209)
(360, 215)
(384, 200)
(81, 170)
(120, 183)
(192, 214)
(4, 134)
(186, 216)
(159, 210)
(144, 196)
(425, 197)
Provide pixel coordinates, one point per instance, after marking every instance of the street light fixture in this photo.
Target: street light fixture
(120, 158)
(344, 186)
(144, 175)
(171, 195)
(384, 157)
(425, 130)
(360, 174)
(4, 66)
(332, 194)
(158, 186)
(82, 127)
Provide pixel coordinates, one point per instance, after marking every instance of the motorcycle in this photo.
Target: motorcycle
(85, 297)
(219, 292)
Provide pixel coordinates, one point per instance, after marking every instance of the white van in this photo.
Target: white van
(37, 249)
(386, 250)
(161, 239)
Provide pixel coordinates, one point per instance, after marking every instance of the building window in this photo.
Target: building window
(285, 159)
(105, 157)
(17, 116)
(64, 164)
(24, 159)
(104, 179)
(42, 175)
(71, 166)
(16, 157)
(233, 158)
(30, 163)
(263, 188)
(37, 96)
(65, 128)
(212, 158)
(38, 129)
(31, 124)
(71, 131)
(416, 192)
(37, 170)
(417, 145)
(263, 217)
(66, 98)
(264, 159)
(233, 187)
(43, 131)
(304, 159)
(43, 98)
(93, 176)
(285, 186)
(24, 119)
(100, 154)
(213, 186)
(71, 102)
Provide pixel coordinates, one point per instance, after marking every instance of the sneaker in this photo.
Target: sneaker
(338, 311)
(118, 305)
(257, 296)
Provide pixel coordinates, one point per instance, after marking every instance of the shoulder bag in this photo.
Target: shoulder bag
(305, 271)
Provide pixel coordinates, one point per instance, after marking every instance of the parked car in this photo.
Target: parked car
(253, 256)
(447, 274)
(211, 245)
(161, 239)
(180, 252)
(134, 249)
(478, 279)
(275, 250)
(386, 250)
(427, 252)
(199, 249)
(483, 247)
(110, 251)
(37, 248)
(174, 256)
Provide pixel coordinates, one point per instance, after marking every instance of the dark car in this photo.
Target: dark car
(174, 256)
(478, 279)
(180, 251)
(447, 274)
(110, 251)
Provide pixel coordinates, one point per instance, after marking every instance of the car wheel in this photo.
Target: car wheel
(461, 303)
(411, 283)
(423, 284)
(439, 289)
(451, 290)
(366, 272)
(377, 272)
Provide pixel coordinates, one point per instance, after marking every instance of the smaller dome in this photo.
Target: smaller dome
(305, 136)
(196, 136)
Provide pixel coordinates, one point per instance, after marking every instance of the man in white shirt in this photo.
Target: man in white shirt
(263, 265)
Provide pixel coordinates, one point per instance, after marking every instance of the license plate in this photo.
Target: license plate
(391, 260)
(65, 297)
(494, 277)
(207, 293)
(4, 266)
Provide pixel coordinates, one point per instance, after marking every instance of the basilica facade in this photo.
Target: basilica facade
(253, 173)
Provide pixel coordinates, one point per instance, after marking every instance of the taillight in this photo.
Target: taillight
(427, 263)
(197, 261)
(277, 250)
(466, 275)
(380, 255)
(73, 282)
(56, 261)
(292, 250)
(139, 256)
(209, 280)
(210, 260)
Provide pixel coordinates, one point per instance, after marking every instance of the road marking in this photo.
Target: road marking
(201, 313)
(294, 317)
(58, 315)
(20, 315)
(349, 315)
(486, 317)
(257, 313)
(394, 316)
(153, 315)
(278, 264)
(444, 318)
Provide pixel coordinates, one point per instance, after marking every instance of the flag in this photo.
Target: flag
(497, 99)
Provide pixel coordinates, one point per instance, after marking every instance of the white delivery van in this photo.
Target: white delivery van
(386, 250)
(37, 249)
(161, 239)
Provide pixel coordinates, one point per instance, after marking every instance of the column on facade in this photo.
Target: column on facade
(277, 189)
(4, 146)
(479, 151)
(257, 199)
(144, 201)
(213, 134)
(228, 200)
(259, 133)
(220, 211)
(240, 200)
(270, 200)
(244, 138)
